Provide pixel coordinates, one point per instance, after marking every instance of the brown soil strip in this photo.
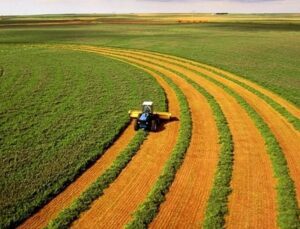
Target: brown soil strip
(182, 206)
(62, 200)
(284, 132)
(191, 65)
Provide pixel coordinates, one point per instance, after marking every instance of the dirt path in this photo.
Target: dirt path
(62, 200)
(285, 133)
(203, 67)
(181, 207)
(114, 208)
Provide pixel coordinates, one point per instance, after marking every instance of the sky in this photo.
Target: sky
(25, 7)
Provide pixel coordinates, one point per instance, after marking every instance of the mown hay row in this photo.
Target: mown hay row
(289, 132)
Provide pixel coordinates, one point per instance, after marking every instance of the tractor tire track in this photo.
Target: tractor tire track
(249, 147)
(62, 200)
(285, 133)
(114, 208)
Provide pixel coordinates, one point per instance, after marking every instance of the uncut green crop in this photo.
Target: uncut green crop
(59, 111)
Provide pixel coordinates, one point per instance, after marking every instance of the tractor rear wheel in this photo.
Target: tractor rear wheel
(136, 126)
(154, 125)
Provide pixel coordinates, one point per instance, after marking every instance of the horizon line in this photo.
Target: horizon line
(113, 13)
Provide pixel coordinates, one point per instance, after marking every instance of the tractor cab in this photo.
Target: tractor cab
(147, 107)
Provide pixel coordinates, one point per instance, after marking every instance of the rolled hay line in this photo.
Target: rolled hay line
(140, 216)
(169, 73)
(288, 216)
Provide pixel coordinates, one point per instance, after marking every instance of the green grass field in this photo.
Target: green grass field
(263, 48)
(59, 111)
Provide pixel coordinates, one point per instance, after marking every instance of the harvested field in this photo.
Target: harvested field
(283, 130)
(70, 157)
(254, 200)
(247, 141)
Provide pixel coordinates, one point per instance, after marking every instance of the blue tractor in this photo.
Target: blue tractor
(147, 119)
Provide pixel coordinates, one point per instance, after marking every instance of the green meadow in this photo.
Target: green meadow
(263, 48)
